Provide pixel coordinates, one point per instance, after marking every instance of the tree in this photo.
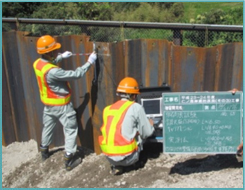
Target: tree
(148, 11)
(18, 9)
(125, 6)
(215, 16)
(67, 10)
(168, 12)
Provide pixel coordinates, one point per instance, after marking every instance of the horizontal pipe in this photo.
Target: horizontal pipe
(154, 25)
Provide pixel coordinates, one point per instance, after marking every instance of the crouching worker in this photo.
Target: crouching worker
(125, 127)
(55, 93)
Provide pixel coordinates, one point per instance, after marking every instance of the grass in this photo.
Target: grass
(192, 9)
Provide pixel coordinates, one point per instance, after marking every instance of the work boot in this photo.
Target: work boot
(116, 170)
(44, 152)
(71, 161)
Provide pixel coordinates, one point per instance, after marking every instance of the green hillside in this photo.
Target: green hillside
(192, 9)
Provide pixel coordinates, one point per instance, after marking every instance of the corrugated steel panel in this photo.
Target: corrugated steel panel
(237, 72)
(151, 62)
(230, 66)
(8, 120)
(15, 85)
(187, 69)
(209, 69)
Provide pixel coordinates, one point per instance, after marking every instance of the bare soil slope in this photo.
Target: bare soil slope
(22, 168)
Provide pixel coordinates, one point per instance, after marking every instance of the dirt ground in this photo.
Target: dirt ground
(22, 168)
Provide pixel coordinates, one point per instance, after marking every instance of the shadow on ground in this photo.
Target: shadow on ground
(207, 164)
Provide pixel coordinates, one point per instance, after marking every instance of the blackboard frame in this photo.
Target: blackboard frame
(185, 112)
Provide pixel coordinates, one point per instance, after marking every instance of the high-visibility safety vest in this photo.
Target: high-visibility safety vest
(112, 143)
(48, 97)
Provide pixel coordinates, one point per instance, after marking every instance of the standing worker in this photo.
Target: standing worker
(125, 127)
(55, 93)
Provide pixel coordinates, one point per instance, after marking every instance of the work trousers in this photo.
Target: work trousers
(67, 117)
(126, 161)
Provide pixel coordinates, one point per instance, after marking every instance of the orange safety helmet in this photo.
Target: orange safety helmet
(128, 85)
(47, 44)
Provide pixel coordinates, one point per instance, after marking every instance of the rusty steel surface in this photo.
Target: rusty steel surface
(151, 62)
(8, 121)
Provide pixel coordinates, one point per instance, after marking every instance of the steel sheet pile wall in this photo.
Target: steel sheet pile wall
(151, 62)
(218, 68)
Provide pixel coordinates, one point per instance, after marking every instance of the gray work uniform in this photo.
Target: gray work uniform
(135, 121)
(57, 80)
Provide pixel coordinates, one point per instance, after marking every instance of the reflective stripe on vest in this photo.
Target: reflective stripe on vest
(47, 96)
(112, 142)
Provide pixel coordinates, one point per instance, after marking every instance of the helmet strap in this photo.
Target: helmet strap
(50, 57)
(133, 97)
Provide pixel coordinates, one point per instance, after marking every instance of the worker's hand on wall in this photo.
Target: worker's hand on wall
(66, 54)
(240, 150)
(233, 91)
(92, 58)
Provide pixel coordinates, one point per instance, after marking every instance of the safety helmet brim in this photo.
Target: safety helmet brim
(54, 47)
(129, 91)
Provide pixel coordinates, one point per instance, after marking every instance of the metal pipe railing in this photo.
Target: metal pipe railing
(155, 25)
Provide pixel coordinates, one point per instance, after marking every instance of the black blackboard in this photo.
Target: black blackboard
(202, 122)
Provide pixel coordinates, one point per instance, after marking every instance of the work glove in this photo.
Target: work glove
(92, 58)
(66, 54)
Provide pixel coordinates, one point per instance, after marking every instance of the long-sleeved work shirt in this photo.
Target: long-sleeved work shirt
(135, 125)
(57, 78)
